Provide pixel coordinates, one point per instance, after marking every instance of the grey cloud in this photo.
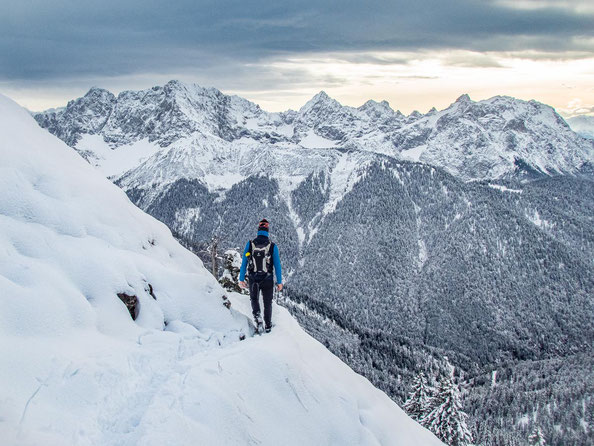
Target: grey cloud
(550, 55)
(363, 58)
(48, 40)
(585, 110)
(472, 60)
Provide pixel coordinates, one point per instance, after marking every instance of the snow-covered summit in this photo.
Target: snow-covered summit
(162, 114)
(463, 99)
(86, 115)
(378, 110)
(78, 370)
(321, 101)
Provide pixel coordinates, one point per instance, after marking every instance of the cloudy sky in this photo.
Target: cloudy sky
(415, 54)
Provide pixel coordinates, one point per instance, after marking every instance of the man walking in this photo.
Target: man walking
(261, 259)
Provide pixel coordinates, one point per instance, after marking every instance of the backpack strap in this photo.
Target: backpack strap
(249, 256)
(271, 256)
(271, 250)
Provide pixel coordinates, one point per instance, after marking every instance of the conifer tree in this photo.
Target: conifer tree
(446, 418)
(417, 404)
(536, 438)
(231, 266)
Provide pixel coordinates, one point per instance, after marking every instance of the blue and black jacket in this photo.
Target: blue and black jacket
(262, 238)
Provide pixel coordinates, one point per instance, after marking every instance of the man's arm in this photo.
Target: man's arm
(244, 261)
(277, 268)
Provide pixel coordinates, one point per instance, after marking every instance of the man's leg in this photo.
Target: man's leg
(267, 287)
(254, 297)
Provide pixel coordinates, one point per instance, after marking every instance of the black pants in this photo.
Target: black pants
(267, 288)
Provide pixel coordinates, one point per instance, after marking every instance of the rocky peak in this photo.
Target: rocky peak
(97, 93)
(384, 105)
(464, 99)
(377, 109)
(380, 115)
(85, 115)
(95, 98)
(482, 139)
(321, 96)
(174, 84)
(318, 102)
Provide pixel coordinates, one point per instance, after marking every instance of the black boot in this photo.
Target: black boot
(258, 323)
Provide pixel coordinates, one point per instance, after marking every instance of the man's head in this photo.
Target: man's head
(263, 225)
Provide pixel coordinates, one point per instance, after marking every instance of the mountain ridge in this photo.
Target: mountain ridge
(472, 140)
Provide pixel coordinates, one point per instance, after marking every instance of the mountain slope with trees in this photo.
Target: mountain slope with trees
(394, 265)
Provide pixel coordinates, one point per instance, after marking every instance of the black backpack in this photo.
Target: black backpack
(260, 264)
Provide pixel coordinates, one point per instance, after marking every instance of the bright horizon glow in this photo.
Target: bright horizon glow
(416, 55)
(407, 80)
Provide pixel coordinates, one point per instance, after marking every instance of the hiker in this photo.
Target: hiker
(261, 259)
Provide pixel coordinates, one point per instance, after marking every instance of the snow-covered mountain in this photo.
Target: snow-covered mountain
(496, 138)
(76, 369)
(472, 140)
(391, 263)
(207, 164)
(582, 125)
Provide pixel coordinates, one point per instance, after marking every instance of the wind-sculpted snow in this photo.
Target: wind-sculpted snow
(72, 240)
(76, 369)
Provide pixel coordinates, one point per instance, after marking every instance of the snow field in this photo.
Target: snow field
(180, 388)
(113, 162)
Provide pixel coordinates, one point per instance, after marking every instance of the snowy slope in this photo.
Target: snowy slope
(220, 164)
(77, 370)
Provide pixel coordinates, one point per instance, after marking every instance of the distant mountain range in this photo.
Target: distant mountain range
(465, 233)
(472, 140)
(583, 125)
